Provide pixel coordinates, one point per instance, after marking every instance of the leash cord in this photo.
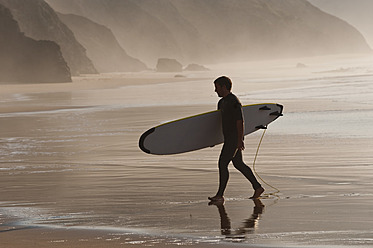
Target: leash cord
(256, 155)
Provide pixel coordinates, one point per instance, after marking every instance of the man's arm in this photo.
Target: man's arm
(240, 128)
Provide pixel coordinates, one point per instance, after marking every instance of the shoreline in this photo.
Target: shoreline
(92, 82)
(18, 93)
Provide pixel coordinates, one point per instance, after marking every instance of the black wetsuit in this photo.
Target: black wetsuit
(231, 111)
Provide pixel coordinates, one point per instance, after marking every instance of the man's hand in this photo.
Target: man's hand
(241, 145)
(240, 128)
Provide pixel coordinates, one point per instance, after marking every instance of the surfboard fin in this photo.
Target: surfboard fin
(264, 108)
(276, 113)
(261, 127)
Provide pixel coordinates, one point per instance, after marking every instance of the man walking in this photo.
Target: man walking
(233, 132)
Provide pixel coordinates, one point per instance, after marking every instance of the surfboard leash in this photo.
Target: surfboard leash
(256, 173)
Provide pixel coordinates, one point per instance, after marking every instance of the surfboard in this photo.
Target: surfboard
(203, 130)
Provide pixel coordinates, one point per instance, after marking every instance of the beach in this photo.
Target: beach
(72, 175)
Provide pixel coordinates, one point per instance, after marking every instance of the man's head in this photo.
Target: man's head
(223, 86)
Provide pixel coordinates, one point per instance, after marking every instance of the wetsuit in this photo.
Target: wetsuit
(231, 112)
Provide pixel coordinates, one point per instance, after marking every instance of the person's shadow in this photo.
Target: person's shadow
(249, 224)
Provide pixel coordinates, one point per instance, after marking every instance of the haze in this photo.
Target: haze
(356, 12)
(219, 31)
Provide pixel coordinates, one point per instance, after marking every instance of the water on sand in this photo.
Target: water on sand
(70, 158)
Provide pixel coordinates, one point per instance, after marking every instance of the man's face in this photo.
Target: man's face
(219, 90)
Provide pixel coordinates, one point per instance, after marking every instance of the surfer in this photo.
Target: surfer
(233, 132)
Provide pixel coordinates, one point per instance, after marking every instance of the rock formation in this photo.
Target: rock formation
(168, 65)
(26, 60)
(39, 21)
(195, 67)
(102, 46)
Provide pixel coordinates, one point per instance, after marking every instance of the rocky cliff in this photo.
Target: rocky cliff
(38, 21)
(358, 13)
(219, 30)
(270, 29)
(26, 60)
(102, 46)
(142, 34)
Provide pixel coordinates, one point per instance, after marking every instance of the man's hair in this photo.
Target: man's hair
(224, 81)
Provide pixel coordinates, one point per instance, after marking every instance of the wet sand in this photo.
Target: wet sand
(72, 175)
(20, 237)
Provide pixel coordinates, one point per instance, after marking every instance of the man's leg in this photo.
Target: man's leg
(225, 158)
(247, 172)
(223, 173)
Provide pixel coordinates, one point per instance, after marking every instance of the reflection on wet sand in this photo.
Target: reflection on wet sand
(249, 224)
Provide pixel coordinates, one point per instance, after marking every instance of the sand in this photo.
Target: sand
(71, 174)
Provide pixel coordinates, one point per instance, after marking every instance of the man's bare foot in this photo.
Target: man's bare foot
(258, 192)
(216, 198)
(259, 206)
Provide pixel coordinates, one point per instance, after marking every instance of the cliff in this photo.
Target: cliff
(247, 29)
(358, 13)
(26, 60)
(102, 46)
(38, 21)
(207, 31)
(142, 34)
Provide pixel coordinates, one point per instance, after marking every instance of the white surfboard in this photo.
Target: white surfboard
(203, 130)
